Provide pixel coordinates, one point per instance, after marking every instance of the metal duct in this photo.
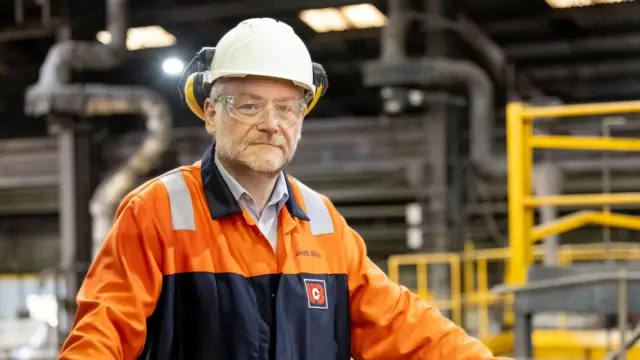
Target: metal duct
(66, 56)
(400, 71)
(443, 71)
(393, 35)
(114, 100)
(52, 94)
(481, 115)
(395, 69)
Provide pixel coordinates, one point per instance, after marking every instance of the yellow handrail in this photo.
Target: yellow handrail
(474, 291)
(520, 145)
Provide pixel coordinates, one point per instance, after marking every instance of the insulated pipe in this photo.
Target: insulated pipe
(482, 118)
(443, 71)
(112, 100)
(105, 100)
(398, 70)
(53, 94)
(66, 56)
(393, 35)
(117, 19)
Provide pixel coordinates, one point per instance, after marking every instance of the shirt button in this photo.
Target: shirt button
(273, 295)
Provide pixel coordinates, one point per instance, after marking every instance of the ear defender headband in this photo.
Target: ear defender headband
(194, 87)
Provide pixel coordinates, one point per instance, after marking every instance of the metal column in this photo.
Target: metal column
(438, 45)
(437, 203)
(75, 186)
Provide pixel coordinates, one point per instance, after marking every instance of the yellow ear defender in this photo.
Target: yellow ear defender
(194, 88)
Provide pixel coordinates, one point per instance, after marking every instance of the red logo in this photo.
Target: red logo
(316, 294)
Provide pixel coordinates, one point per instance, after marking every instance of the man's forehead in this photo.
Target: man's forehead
(257, 85)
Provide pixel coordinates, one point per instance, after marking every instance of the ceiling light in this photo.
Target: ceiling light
(363, 16)
(360, 16)
(142, 38)
(324, 20)
(563, 4)
(172, 66)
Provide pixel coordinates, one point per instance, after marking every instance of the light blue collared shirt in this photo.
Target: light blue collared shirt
(268, 221)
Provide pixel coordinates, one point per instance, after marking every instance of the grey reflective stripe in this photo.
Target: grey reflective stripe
(180, 199)
(317, 211)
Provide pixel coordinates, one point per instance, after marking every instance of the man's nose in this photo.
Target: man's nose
(270, 122)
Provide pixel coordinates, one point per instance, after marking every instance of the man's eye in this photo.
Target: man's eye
(248, 107)
(284, 108)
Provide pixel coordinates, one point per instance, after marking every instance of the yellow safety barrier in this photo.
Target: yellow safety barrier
(520, 145)
(471, 288)
(581, 218)
(421, 261)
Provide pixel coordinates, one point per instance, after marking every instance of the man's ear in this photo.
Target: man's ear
(210, 115)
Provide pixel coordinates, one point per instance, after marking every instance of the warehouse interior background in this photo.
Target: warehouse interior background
(410, 142)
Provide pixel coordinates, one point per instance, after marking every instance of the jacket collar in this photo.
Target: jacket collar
(221, 201)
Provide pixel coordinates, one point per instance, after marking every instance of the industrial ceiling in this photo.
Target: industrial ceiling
(577, 54)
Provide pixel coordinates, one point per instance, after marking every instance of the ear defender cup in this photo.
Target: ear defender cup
(192, 87)
(194, 95)
(321, 81)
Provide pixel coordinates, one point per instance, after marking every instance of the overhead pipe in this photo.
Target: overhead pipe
(113, 100)
(393, 34)
(481, 115)
(399, 71)
(66, 56)
(444, 71)
(402, 71)
(53, 94)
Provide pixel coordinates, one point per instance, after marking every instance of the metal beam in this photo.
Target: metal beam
(517, 26)
(337, 39)
(29, 201)
(582, 70)
(228, 10)
(589, 90)
(589, 16)
(74, 144)
(551, 49)
(36, 31)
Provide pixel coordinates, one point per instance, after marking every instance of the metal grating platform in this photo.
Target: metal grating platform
(589, 288)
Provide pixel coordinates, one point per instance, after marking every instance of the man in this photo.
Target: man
(232, 259)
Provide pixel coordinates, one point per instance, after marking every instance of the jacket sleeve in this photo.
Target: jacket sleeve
(119, 291)
(390, 322)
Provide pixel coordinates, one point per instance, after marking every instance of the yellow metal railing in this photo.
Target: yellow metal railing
(520, 145)
(420, 261)
(470, 285)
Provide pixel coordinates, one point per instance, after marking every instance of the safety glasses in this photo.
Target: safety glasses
(253, 111)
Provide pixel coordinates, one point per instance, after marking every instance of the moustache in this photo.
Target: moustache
(277, 141)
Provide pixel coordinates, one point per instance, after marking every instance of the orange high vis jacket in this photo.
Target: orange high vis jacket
(185, 273)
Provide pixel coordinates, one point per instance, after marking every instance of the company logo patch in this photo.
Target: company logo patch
(316, 294)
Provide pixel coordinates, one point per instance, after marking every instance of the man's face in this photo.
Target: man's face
(251, 119)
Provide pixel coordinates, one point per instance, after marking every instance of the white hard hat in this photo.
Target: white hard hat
(263, 47)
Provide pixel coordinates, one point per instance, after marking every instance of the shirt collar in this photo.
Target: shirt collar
(221, 199)
(279, 195)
